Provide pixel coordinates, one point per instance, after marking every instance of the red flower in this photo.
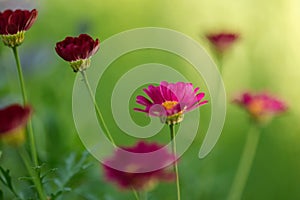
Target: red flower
(13, 120)
(77, 50)
(12, 22)
(13, 25)
(261, 106)
(222, 41)
(130, 167)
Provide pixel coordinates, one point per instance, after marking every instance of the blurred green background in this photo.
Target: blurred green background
(265, 58)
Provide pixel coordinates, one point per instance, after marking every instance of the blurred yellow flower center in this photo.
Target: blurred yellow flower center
(15, 137)
(256, 107)
(169, 104)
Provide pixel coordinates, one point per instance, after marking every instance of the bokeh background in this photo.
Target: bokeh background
(266, 57)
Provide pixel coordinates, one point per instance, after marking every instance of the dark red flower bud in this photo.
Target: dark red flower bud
(222, 41)
(77, 50)
(13, 25)
(13, 120)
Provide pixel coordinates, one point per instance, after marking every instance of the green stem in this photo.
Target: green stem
(33, 174)
(173, 142)
(143, 195)
(136, 195)
(219, 58)
(29, 125)
(21, 79)
(99, 114)
(245, 164)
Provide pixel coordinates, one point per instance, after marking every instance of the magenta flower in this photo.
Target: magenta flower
(13, 120)
(170, 101)
(222, 41)
(77, 51)
(14, 24)
(261, 106)
(128, 175)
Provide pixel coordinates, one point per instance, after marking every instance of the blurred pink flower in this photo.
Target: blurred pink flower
(129, 175)
(13, 120)
(77, 50)
(170, 101)
(223, 40)
(261, 106)
(14, 24)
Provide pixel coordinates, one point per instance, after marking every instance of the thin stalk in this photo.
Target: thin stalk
(21, 79)
(99, 114)
(135, 193)
(143, 195)
(245, 164)
(173, 142)
(29, 125)
(219, 60)
(33, 174)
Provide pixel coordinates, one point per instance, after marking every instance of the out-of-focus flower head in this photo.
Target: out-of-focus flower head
(14, 24)
(130, 175)
(170, 101)
(261, 106)
(78, 51)
(13, 120)
(221, 41)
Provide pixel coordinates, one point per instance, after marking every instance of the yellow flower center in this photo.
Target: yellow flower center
(169, 104)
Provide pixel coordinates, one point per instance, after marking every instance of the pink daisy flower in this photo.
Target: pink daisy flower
(129, 175)
(260, 106)
(170, 101)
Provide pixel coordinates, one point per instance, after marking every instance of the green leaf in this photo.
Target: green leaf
(25, 178)
(1, 195)
(6, 178)
(47, 173)
(73, 166)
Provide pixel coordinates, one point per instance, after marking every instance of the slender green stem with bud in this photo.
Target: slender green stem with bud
(29, 126)
(245, 164)
(99, 114)
(33, 174)
(174, 151)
